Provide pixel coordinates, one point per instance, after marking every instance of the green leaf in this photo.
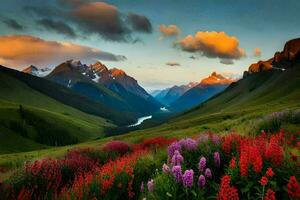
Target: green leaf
(168, 194)
(194, 193)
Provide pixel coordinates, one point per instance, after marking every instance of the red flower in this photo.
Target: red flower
(243, 164)
(270, 172)
(154, 143)
(264, 181)
(231, 142)
(232, 162)
(270, 195)
(24, 194)
(227, 192)
(118, 147)
(250, 155)
(274, 152)
(293, 188)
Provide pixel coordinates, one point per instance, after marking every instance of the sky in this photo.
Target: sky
(159, 42)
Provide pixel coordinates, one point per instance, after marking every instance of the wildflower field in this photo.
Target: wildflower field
(206, 166)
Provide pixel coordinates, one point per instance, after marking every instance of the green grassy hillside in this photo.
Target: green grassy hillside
(31, 120)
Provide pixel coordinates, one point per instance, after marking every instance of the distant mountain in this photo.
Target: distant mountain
(33, 70)
(111, 87)
(169, 95)
(207, 88)
(111, 77)
(154, 92)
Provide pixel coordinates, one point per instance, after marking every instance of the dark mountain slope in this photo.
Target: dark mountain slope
(69, 97)
(112, 88)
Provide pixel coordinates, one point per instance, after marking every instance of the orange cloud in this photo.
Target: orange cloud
(212, 45)
(16, 50)
(257, 52)
(167, 31)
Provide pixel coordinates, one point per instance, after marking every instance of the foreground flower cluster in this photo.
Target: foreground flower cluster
(229, 167)
(104, 173)
(208, 166)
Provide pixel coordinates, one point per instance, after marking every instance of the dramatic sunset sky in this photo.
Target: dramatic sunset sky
(159, 42)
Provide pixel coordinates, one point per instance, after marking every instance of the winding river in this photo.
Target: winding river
(141, 120)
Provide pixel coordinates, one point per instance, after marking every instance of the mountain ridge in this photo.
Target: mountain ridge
(112, 87)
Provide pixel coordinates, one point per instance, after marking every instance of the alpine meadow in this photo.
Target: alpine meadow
(149, 100)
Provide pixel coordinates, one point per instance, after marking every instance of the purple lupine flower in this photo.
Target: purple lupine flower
(142, 187)
(172, 148)
(188, 178)
(201, 181)
(217, 159)
(150, 185)
(207, 173)
(202, 164)
(176, 170)
(177, 158)
(165, 168)
(188, 144)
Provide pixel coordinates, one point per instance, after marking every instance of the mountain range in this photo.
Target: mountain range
(180, 98)
(110, 87)
(169, 95)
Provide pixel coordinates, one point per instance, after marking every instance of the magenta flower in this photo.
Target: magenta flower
(217, 159)
(207, 173)
(165, 168)
(188, 144)
(150, 185)
(177, 158)
(176, 170)
(188, 178)
(202, 164)
(142, 187)
(172, 148)
(201, 181)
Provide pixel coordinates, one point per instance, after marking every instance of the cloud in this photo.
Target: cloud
(57, 26)
(212, 45)
(13, 24)
(140, 23)
(101, 18)
(257, 52)
(227, 61)
(16, 50)
(173, 64)
(168, 31)
(91, 17)
(108, 22)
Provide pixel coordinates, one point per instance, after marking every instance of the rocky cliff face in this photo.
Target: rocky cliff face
(280, 61)
(289, 55)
